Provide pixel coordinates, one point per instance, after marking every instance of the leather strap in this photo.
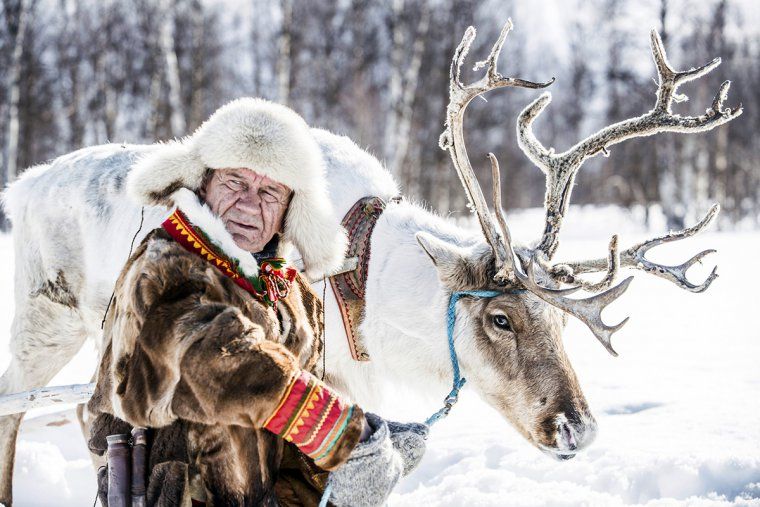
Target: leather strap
(349, 287)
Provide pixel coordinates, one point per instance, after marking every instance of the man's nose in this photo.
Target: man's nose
(250, 202)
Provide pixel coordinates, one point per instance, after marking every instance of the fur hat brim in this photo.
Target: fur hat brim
(269, 139)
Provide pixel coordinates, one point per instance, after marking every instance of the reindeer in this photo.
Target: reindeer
(511, 313)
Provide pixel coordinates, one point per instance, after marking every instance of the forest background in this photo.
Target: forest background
(77, 73)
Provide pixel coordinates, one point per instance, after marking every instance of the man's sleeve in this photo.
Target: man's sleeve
(176, 355)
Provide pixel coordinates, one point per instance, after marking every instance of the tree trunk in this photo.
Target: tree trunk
(70, 56)
(14, 91)
(257, 53)
(155, 102)
(403, 86)
(395, 83)
(666, 160)
(196, 101)
(717, 46)
(105, 123)
(283, 60)
(720, 165)
(177, 116)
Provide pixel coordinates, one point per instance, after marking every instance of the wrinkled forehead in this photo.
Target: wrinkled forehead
(250, 176)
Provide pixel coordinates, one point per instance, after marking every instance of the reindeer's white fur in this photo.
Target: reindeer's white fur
(405, 310)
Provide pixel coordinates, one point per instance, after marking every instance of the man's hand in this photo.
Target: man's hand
(409, 441)
(378, 462)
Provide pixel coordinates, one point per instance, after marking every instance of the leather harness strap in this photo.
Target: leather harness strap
(349, 287)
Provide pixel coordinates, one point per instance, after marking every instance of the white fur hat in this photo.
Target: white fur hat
(270, 139)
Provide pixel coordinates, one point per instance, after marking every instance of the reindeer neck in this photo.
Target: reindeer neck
(406, 303)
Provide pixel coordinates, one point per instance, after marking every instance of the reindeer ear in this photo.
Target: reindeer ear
(450, 260)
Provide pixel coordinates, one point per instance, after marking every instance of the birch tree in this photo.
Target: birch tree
(82, 72)
(665, 148)
(18, 15)
(69, 58)
(717, 156)
(197, 114)
(177, 114)
(285, 57)
(403, 81)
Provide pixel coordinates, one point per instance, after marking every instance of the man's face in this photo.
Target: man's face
(251, 206)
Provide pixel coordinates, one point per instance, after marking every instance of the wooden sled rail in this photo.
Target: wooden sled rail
(45, 397)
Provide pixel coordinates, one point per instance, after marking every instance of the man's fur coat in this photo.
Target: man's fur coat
(191, 353)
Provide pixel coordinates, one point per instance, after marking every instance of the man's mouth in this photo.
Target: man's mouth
(245, 227)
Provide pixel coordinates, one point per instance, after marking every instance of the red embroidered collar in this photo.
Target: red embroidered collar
(270, 284)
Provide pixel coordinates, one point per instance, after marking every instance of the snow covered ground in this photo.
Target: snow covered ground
(678, 411)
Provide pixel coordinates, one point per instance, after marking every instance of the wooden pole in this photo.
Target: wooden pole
(45, 397)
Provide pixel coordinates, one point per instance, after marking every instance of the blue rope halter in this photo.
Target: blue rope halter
(451, 317)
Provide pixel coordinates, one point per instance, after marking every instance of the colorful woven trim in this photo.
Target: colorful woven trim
(311, 416)
(274, 277)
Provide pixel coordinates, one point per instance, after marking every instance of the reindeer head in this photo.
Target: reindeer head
(517, 334)
(511, 351)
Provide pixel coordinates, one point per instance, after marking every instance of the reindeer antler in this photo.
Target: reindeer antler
(588, 310)
(634, 258)
(452, 139)
(560, 169)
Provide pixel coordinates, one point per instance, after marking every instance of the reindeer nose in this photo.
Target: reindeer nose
(573, 434)
(566, 439)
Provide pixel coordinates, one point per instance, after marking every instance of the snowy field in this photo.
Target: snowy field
(678, 411)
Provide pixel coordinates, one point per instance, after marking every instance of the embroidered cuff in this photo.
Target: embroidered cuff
(317, 420)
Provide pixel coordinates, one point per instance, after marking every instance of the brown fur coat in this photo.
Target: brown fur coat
(190, 352)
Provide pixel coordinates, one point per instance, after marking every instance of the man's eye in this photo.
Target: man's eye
(235, 184)
(269, 196)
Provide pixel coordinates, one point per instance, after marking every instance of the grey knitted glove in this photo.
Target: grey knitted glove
(409, 441)
(371, 472)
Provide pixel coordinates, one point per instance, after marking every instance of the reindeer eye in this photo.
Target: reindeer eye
(502, 322)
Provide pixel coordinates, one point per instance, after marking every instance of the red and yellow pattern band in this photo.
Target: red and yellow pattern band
(311, 416)
(271, 283)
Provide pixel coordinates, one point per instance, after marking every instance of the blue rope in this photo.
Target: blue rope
(451, 316)
(326, 495)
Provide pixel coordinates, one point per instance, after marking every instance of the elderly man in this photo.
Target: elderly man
(212, 338)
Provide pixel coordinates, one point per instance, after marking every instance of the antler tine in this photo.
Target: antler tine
(560, 174)
(588, 310)
(526, 139)
(452, 139)
(670, 79)
(506, 272)
(634, 257)
(455, 70)
(561, 168)
(491, 64)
